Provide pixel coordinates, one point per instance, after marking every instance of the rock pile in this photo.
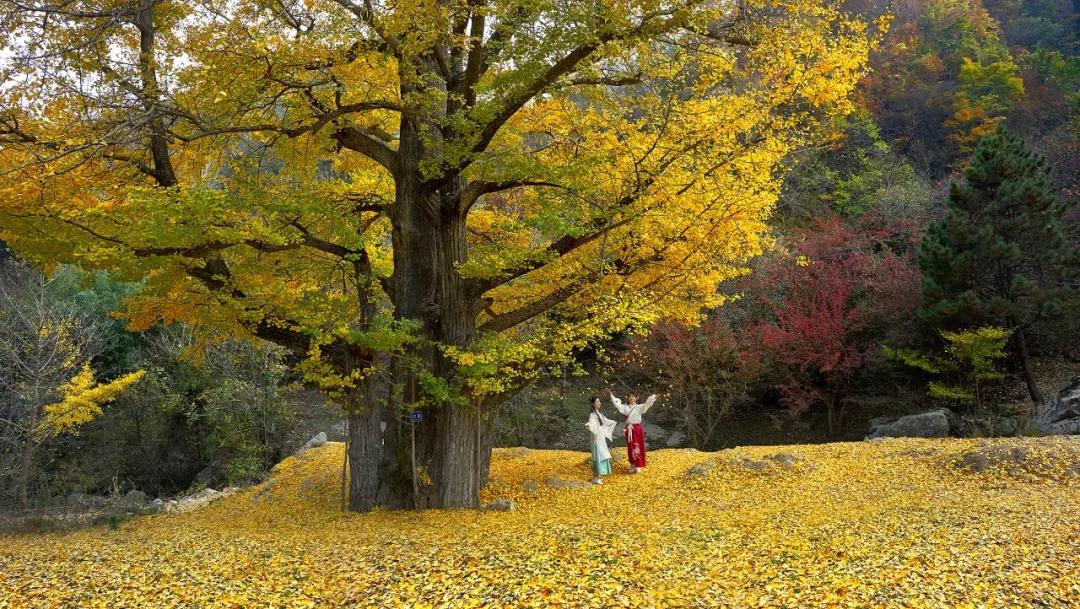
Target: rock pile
(1047, 458)
(942, 423)
(194, 501)
(777, 462)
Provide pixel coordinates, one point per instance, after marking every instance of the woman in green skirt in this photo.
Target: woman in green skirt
(601, 428)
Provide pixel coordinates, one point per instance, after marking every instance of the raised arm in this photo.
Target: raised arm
(622, 408)
(648, 404)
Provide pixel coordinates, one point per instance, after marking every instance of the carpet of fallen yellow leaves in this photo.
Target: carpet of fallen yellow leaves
(876, 524)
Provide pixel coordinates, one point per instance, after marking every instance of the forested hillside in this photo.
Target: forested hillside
(842, 320)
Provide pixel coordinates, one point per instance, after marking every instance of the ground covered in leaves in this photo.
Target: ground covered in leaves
(893, 523)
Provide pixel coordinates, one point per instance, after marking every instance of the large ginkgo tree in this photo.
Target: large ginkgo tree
(429, 202)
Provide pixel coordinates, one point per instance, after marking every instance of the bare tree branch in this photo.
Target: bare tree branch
(354, 138)
(475, 190)
(505, 321)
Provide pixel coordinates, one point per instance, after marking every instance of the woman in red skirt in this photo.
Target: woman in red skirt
(635, 433)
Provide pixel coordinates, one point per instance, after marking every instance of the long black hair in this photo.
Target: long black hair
(592, 400)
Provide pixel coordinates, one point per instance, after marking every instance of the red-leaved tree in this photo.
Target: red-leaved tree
(810, 317)
(826, 307)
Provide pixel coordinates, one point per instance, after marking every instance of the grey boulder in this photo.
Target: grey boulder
(701, 469)
(1060, 415)
(500, 505)
(986, 427)
(136, 497)
(316, 441)
(931, 424)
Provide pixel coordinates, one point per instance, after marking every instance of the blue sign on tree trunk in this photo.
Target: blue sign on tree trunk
(417, 416)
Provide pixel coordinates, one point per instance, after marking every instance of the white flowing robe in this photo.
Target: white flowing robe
(633, 412)
(601, 429)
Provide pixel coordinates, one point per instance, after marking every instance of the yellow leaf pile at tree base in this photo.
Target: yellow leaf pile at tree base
(895, 523)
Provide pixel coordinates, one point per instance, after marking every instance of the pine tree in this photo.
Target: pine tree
(1000, 255)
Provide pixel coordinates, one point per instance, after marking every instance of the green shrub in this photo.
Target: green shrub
(970, 361)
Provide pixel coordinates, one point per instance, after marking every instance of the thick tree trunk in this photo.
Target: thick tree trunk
(486, 434)
(429, 241)
(1025, 364)
(364, 410)
(455, 466)
(448, 450)
(365, 448)
(395, 490)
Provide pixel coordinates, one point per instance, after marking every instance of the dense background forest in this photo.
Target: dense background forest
(842, 312)
(862, 308)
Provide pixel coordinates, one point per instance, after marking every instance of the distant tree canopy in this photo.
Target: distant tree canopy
(426, 202)
(1001, 253)
(947, 73)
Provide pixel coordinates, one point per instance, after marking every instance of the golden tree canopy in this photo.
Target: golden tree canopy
(614, 160)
